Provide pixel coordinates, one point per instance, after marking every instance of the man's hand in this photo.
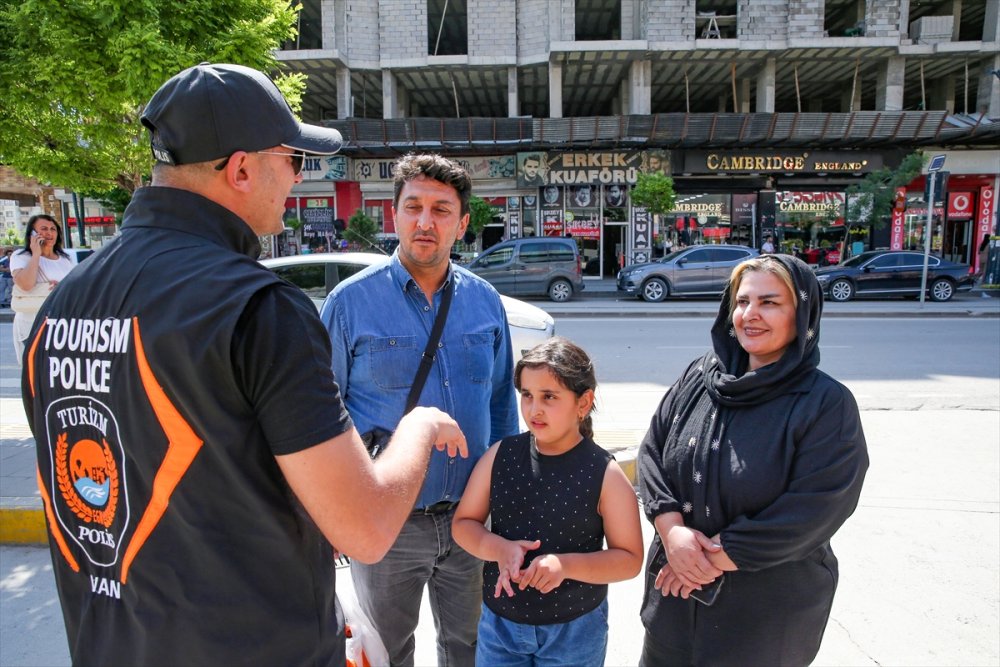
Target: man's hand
(449, 435)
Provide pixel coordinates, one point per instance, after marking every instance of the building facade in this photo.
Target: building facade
(762, 111)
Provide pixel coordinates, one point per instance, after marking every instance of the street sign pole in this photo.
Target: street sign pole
(927, 239)
(935, 166)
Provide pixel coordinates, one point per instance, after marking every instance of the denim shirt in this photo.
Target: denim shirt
(379, 322)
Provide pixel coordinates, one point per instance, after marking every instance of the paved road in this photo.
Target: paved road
(919, 559)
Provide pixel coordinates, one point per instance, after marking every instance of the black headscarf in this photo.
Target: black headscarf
(725, 368)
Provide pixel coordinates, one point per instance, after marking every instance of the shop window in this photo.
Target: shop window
(447, 28)
(598, 20)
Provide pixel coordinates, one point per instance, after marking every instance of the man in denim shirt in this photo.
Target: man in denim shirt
(379, 322)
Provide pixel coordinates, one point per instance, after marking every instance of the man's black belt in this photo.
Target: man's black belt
(437, 508)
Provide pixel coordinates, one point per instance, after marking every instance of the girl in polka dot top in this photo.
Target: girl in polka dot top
(552, 497)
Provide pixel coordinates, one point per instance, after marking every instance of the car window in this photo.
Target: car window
(532, 253)
(701, 255)
(310, 278)
(561, 252)
(495, 258)
(729, 254)
(917, 259)
(885, 262)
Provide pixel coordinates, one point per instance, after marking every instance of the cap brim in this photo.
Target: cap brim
(315, 139)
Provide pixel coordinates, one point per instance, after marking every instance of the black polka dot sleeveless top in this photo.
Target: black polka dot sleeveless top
(553, 499)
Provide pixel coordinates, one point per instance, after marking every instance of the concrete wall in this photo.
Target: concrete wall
(492, 31)
(670, 22)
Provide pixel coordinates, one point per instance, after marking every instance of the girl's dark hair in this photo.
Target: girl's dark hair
(569, 363)
(57, 248)
(436, 168)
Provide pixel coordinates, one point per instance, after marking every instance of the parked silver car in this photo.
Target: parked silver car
(695, 271)
(533, 266)
(318, 274)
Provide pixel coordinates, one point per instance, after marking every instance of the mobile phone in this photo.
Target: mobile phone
(709, 592)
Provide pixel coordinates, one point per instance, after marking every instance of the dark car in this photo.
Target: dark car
(893, 273)
(533, 266)
(696, 271)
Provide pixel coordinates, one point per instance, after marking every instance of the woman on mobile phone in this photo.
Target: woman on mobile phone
(752, 462)
(36, 269)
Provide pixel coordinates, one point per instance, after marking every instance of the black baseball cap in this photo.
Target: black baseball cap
(210, 111)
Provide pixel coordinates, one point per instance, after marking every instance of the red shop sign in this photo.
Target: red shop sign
(959, 205)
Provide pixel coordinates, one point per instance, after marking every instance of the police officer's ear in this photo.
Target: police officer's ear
(238, 171)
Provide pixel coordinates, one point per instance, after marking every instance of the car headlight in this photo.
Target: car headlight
(822, 280)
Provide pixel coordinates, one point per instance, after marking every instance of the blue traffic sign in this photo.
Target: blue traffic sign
(936, 163)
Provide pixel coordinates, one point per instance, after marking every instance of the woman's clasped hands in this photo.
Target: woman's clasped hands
(688, 566)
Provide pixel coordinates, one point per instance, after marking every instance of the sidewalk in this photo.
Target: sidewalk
(619, 426)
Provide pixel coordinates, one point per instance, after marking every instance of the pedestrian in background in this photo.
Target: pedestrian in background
(187, 451)
(983, 259)
(380, 321)
(36, 269)
(768, 246)
(752, 462)
(551, 496)
(6, 281)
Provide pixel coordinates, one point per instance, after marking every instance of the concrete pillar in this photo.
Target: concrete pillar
(765, 87)
(555, 90)
(345, 105)
(513, 100)
(956, 11)
(904, 19)
(391, 106)
(891, 80)
(941, 94)
(991, 22)
(988, 101)
(744, 86)
(640, 93)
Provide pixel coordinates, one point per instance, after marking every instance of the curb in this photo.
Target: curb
(24, 526)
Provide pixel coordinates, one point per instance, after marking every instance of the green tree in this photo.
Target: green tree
(75, 77)
(654, 192)
(870, 201)
(362, 230)
(481, 213)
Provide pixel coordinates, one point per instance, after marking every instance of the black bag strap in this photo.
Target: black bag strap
(430, 352)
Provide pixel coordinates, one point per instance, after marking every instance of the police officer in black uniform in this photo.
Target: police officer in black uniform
(185, 413)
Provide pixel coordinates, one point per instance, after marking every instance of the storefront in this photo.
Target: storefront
(964, 212)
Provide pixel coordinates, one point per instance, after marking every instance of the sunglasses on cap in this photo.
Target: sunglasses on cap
(298, 160)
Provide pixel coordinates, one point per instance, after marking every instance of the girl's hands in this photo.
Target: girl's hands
(545, 573)
(509, 561)
(37, 244)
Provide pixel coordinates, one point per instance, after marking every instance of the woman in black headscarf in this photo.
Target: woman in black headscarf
(752, 462)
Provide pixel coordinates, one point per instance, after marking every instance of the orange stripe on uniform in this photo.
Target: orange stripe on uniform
(53, 526)
(183, 446)
(31, 356)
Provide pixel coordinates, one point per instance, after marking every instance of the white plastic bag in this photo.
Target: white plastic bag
(364, 646)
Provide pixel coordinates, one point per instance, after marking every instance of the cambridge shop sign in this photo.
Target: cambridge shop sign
(771, 162)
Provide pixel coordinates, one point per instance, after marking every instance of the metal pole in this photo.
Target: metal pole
(927, 237)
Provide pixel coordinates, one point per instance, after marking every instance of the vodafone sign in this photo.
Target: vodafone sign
(960, 206)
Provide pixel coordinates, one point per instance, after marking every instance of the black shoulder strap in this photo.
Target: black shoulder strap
(427, 358)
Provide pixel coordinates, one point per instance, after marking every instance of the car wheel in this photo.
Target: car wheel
(654, 289)
(560, 290)
(942, 290)
(841, 290)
